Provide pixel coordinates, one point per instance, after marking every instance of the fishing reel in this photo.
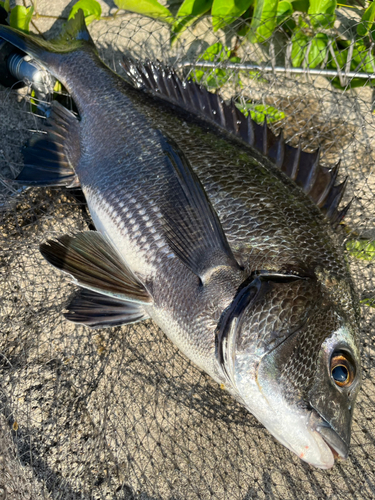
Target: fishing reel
(18, 70)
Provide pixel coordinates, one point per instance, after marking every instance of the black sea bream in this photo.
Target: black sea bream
(201, 228)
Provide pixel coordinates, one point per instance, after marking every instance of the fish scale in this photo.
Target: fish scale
(200, 228)
(267, 202)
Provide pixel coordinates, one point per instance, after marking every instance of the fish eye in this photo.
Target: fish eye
(342, 369)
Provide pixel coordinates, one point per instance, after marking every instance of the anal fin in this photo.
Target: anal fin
(94, 264)
(100, 311)
(50, 158)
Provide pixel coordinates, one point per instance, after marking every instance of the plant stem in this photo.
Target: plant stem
(37, 29)
(45, 16)
(113, 16)
(347, 6)
(33, 3)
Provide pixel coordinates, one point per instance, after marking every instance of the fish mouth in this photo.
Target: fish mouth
(337, 445)
(333, 440)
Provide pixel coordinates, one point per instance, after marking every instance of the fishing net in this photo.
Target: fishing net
(120, 413)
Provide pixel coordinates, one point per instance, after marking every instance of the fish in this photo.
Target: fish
(210, 225)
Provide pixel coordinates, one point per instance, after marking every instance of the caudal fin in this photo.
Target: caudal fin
(74, 36)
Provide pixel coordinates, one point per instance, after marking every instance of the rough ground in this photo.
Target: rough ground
(120, 413)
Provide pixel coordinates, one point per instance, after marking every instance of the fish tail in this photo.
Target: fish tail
(74, 37)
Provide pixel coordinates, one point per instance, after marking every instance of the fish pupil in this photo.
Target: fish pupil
(340, 373)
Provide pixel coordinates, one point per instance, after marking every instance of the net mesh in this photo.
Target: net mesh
(120, 413)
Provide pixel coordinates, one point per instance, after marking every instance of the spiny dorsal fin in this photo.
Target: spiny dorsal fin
(304, 168)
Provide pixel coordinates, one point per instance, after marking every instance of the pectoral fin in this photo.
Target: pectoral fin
(192, 227)
(94, 264)
(100, 311)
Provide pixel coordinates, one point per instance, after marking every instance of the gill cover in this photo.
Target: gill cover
(252, 291)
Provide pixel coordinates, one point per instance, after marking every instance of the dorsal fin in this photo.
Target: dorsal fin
(304, 168)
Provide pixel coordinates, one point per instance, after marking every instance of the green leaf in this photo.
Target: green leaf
(358, 4)
(33, 101)
(368, 302)
(299, 45)
(317, 47)
(361, 249)
(302, 23)
(257, 76)
(194, 8)
(20, 17)
(187, 14)
(259, 112)
(301, 5)
(322, 13)
(58, 87)
(244, 27)
(91, 10)
(362, 59)
(150, 8)
(215, 52)
(226, 11)
(263, 22)
(284, 10)
(318, 50)
(5, 5)
(367, 20)
(214, 78)
(341, 57)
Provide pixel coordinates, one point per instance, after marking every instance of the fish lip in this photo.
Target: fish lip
(338, 447)
(333, 440)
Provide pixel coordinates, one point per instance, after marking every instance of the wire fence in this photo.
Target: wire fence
(120, 413)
